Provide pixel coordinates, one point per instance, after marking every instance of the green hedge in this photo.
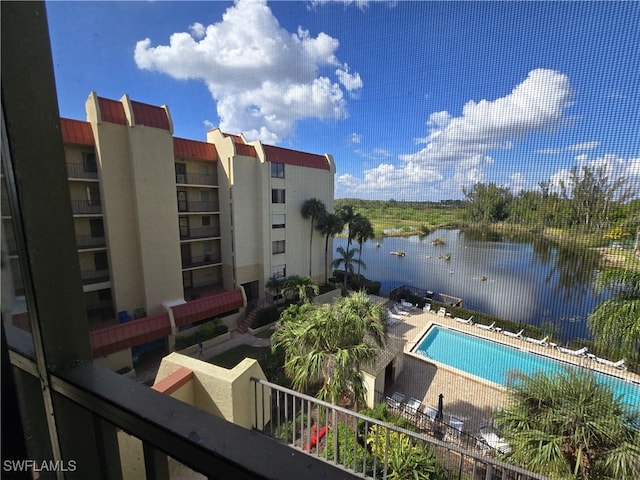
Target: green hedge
(206, 332)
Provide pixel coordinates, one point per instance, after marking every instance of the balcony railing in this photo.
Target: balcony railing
(194, 206)
(76, 170)
(94, 276)
(196, 179)
(85, 207)
(88, 241)
(201, 260)
(199, 232)
(292, 422)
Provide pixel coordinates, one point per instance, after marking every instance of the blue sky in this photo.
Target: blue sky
(413, 99)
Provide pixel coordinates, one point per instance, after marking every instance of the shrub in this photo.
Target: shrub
(266, 316)
(205, 332)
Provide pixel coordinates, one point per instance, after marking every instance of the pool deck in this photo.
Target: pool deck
(465, 396)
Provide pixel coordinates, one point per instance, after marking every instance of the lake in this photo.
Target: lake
(525, 280)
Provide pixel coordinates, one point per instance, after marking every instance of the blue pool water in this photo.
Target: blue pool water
(494, 362)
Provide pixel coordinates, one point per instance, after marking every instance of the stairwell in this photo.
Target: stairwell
(247, 321)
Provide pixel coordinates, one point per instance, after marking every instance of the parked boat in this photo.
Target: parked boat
(399, 253)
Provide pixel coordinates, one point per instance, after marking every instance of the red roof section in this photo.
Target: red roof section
(150, 115)
(208, 306)
(294, 157)
(184, 148)
(76, 132)
(112, 111)
(244, 149)
(125, 335)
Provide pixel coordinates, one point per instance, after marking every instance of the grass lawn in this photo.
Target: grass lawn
(231, 358)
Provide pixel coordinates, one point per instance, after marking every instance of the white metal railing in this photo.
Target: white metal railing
(339, 436)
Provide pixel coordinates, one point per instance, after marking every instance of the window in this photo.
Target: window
(206, 221)
(97, 227)
(277, 170)
(278, 220)
(93, 195)
(277, 195)
(277, 247)
(204, 195)
(181, 173)
(279, 271)
(100, 261)
(207, 247)
(89, 162)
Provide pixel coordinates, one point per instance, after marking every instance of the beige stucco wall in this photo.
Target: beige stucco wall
(228, 394)
(137, 181)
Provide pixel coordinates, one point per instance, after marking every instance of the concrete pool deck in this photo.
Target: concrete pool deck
(465, 396)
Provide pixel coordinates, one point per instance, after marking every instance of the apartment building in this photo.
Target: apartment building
(171, 232)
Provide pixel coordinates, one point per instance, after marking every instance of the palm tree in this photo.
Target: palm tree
(327, 344)
(312, 208)
(615, 323)
(348, 216)
(346, 257)
(274, 285)
(303, 287)
(329, 225)
(363, 231)
(568, 425)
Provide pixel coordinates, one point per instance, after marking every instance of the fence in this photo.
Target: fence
(370, 447)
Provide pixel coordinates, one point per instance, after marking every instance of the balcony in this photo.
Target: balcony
(85, 207)
(87, 241)
(198, 206)
(76, 170)
(199, 232)
(201, 261)
(196, 179)
(89, 277)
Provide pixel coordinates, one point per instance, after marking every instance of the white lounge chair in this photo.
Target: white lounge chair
(395, 400)
(411, 408)
(455, 429)
(619, 364)
(442, 312)
(576, 353)
(542, 342)
(430, 412)
(493, 440)
(486, 327)
(395, 316)
(398, 310)
(462, 320)
(513, 335)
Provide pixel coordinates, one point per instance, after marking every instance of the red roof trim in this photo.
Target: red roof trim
(294, 157)
(173, 382)
(184, 148)
(150, 115)
(76, 132)
(125, 335)
(112, 111)
(208, 306)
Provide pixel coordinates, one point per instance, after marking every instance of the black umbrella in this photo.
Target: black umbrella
(440, 414)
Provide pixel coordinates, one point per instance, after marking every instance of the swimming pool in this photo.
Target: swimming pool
(493, 361)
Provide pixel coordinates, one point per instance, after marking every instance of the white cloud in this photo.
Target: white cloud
(262, 77)
(456, 148)
(583, 146)
(355, 138)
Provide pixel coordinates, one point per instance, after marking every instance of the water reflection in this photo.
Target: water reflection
(523, 278)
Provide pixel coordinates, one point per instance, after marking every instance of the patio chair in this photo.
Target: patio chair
(542, 342)
(395, 400)
(397, 309)
(411, 408)
(486, 327)
(442, 312)
(581, 352)
(513, 335)
(454, 431)
(430, 412)
(465, 321)
(619, 364)
(494, 441)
